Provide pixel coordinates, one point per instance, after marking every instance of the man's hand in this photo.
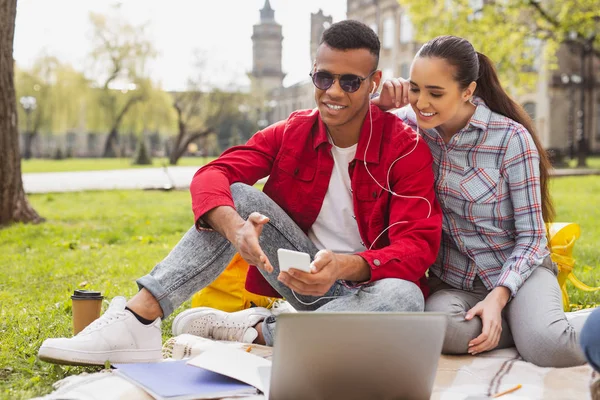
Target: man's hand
(490, 312)
(245, 240)
(325, 272)
(394, 94)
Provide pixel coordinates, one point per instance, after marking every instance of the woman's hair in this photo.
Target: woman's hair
(471, 66)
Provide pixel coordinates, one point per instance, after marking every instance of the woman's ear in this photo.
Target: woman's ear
(469, 91)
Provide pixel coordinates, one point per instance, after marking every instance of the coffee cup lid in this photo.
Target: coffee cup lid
(86, 294)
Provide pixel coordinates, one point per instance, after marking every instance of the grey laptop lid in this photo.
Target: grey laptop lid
(356, 355)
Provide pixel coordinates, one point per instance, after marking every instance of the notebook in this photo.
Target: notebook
(175, 380)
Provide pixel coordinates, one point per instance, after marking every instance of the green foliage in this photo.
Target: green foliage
(142, 155)
(61, 95)
(510, 32)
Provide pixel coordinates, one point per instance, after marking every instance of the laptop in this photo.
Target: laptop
(355, 355)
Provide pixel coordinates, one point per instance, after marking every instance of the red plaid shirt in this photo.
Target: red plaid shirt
(296, 156)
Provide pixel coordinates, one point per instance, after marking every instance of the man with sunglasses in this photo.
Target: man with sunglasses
(348, 184)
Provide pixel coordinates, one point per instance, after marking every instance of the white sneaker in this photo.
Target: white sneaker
(281, 307)
(117, 336)
(215, 324)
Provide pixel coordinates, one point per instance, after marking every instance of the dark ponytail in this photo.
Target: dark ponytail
(473, 66)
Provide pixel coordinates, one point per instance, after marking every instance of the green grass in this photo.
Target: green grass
(105, 240)
(593, 162)
(101, 164)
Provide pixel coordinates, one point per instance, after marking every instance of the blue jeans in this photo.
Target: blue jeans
(201, 256)
(590, 339)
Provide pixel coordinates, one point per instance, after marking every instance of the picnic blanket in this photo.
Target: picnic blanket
(458, 377)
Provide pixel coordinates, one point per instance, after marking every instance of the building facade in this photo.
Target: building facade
(555, 105)
(267, 39)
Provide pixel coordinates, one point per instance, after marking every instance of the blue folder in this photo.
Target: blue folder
(177, 380)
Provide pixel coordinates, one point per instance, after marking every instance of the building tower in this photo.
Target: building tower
(267, 40)
(318, 23)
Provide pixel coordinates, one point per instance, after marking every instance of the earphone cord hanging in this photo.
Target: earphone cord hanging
(386, 189)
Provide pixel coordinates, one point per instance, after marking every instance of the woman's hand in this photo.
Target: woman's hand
(490, 312)
(394, 94)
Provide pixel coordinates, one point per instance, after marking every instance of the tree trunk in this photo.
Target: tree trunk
(111, 149)
(182, 145)
(14, 206)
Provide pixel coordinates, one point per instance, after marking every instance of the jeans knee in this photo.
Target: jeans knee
(247, 199)
(397, 295)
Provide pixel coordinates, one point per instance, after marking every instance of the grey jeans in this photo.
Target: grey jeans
(201, 256)
(533, 321)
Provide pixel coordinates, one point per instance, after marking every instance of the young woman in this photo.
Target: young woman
(493, 274)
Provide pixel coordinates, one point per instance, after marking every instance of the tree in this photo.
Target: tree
(61, 95)
(121, 52)
(513, 32)
(200, 110)
(14, 206)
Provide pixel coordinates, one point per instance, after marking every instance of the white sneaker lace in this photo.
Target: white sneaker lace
(228, 332)
(105, 319)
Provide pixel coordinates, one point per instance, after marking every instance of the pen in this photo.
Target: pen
(519, 386)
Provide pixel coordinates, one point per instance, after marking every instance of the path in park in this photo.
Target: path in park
(146, 178)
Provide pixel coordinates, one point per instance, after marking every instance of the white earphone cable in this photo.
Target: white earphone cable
(388, 189)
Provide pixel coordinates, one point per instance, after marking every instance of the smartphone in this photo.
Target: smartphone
(293, 259)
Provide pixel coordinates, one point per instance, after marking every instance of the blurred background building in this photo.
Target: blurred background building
(564, 105)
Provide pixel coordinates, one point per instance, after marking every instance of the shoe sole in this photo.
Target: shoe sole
(72, 357)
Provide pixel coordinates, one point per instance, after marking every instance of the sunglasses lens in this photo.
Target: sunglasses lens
(322, 80)
(350, 83)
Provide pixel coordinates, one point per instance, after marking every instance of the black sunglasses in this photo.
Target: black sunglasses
(349, 83)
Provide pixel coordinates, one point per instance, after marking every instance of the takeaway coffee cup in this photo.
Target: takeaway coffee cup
(86, 308)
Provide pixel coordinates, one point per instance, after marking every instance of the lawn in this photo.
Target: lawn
(104, 240)
(101, 164)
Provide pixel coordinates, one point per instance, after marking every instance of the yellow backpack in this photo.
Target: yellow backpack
(561, 239)
(228, 291)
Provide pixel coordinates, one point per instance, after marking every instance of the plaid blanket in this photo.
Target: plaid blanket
(482, 376)
(458, 377)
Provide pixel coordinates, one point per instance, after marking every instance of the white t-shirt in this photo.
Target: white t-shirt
(336, 228)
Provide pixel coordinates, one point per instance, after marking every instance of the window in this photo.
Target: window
(388, 33)
(406, 29)
(405, 70)
(530, 109)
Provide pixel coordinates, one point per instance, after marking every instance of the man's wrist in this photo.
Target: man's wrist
(352, 267)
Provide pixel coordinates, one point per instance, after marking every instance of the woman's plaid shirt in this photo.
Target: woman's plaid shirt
(488, 184)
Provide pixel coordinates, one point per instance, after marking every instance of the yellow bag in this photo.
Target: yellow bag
(228, 293)
(562, 237)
